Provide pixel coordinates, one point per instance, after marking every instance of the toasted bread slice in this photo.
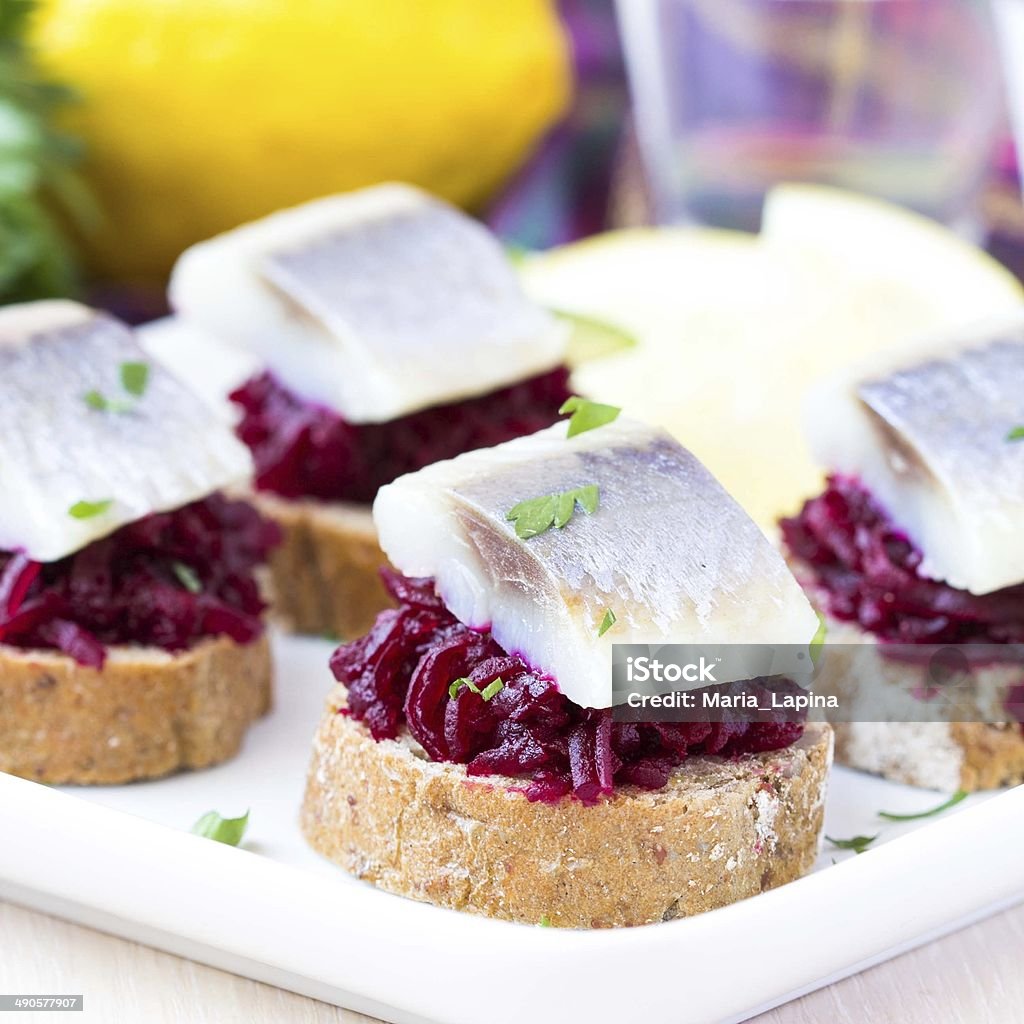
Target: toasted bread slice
(146, 713)
(324, 575)
(720, 831)
(945, 756)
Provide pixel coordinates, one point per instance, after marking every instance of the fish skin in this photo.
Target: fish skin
(375, 303)
(926, 432)
(667, 549)
(166, 450)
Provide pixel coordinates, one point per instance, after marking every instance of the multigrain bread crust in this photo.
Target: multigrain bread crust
(325, 574)
(146, 713)
(944, 756)
(720, 831)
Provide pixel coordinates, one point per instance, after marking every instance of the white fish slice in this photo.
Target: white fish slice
(668, 551)
(165, 447)
(927, 431)
(375, 303)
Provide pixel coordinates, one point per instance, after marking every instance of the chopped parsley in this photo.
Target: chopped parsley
(858, 843)
(222, 830)
(959, 795)
(492, 688)
(536, 515)
(134, 378)
(607, 622)
(1017, 434)
(187, 577)
(587, 415)
(89, 509)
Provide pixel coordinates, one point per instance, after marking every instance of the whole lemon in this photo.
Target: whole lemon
(202, 114)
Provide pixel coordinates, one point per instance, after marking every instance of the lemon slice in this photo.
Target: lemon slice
(732, 328)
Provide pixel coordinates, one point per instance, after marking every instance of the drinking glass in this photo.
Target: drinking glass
(896, 98)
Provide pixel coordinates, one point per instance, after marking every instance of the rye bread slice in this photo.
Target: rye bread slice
(945, 756)
(146, 713)
(324, 575)
(720, 831)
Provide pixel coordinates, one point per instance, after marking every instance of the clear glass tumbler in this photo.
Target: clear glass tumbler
(895, 98)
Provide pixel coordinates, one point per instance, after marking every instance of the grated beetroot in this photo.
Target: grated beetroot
(128, 588)
(401, 671)
(869, 573)
(305, 450)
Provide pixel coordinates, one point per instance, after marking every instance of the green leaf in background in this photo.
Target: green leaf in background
(222, 830)
(38, 185)
(592, 338)
(1017, 434)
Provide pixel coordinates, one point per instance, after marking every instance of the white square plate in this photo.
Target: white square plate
(121, 859)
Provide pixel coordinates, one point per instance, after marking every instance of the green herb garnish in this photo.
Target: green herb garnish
(492, 688)
(1017, 434)
(96, 400)
(587, 415)
(858, 843)
(536, 515)
(544, 922)
(88, 509)
(187, 577)
(134, 378)
(453, 690)
(959, 795)
(607, 622)
(223, 830)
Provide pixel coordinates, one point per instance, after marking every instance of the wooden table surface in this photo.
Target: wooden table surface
(971, 977)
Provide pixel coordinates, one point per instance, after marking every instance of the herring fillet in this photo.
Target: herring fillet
(668, 550)
(927, 433)
(165, 450)
(376, 303)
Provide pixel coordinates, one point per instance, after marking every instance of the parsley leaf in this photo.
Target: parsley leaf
(96, 400)
(536, 515)
(1017, 434)
(587, 415)
(544, 922)
(223, 830)
(187, 577)
(134, 378)
(492, 688)
(858, 843)
(607, 622)
(453, 690)
(88, 509)
(959, 795)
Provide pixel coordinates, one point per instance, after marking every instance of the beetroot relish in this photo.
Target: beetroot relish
(869, 573)
(401, 671)
(128, 588)
(305, 450)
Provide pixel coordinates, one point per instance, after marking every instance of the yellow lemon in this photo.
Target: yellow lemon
(201, 114)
